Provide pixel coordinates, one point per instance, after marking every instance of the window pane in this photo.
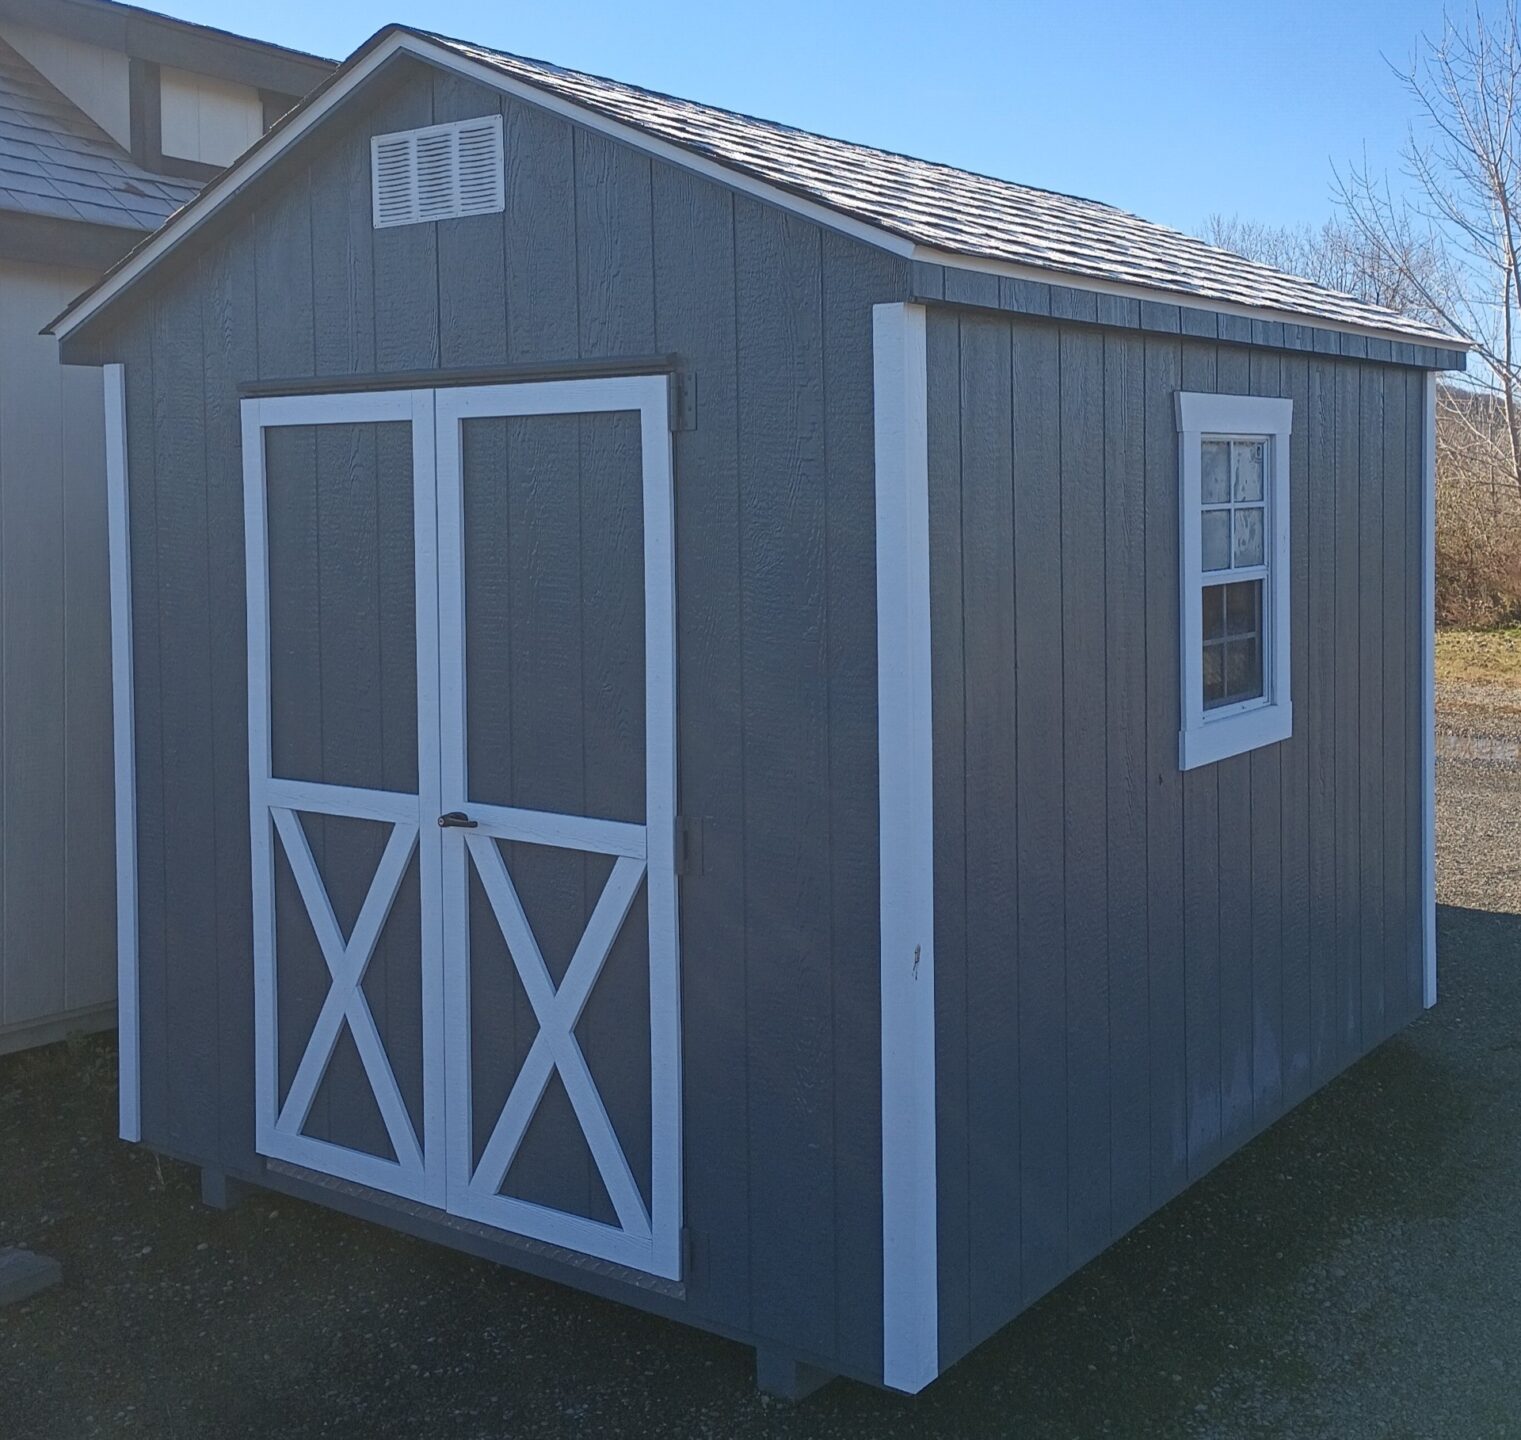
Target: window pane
(1215, 540)
(1243, 670)
(1249, 462)
(1242, 607)
(1214, 610)
(1248, 536)
(1214, 675)
(1215, 481)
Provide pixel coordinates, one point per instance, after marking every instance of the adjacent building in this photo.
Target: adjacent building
(111, 119)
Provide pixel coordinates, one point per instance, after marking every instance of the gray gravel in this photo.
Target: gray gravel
(1355, 1272)
(1479, 797)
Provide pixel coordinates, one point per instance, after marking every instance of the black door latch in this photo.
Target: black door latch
(457, 820)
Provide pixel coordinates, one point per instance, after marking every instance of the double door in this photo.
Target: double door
(462, 767)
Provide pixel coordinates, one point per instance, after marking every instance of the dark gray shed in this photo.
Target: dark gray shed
(783, 733)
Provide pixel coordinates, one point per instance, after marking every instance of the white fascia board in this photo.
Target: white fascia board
(984, 265)
(232, 182)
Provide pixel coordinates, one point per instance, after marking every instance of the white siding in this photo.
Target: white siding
(212, 121)
(94, 79)
(57, 927)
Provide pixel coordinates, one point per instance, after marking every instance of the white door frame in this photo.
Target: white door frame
(645, 1238)
(274, 804)
(438, 1171)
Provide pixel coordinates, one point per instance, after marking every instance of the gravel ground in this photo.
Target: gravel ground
(1355, 1272)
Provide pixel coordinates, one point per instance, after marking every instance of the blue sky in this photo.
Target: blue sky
(1171, 110)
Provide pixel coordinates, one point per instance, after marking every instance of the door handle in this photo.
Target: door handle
(457, 820)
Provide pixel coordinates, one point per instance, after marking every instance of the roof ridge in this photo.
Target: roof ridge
(924, 209)
(1372, 310)
(454, 42)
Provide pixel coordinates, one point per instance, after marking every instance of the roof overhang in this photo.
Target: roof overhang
(146, 35)
(397, 41)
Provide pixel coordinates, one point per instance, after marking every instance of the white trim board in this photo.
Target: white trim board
(1428, 696)
(119, 540)
(399, 41)
(910, 1273)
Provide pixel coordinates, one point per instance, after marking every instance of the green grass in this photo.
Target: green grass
(1490, 657)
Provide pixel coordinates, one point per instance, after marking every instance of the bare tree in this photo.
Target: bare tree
(1337, 256)
(1453, 234)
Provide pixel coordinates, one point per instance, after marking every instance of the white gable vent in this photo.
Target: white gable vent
(438, 172)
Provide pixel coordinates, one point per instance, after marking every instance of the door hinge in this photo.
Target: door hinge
(689, 845)
(683, 400)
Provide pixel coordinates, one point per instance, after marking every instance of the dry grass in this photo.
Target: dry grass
(1483, 657)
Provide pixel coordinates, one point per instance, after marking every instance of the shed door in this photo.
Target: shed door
(343, 771)
(557, 671)
(518, 892)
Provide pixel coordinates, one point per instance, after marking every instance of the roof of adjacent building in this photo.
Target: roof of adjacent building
(929, 211)
(958, 211)
(57, 162)
(150, 35)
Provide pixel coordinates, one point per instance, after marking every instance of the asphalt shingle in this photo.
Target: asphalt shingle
(957, 211)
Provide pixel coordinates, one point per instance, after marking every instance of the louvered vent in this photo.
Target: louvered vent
(438, 173)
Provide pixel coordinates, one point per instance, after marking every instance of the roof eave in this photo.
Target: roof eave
(1098, 285)
(395, 40)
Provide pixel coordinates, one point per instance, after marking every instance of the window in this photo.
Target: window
(1233, 453)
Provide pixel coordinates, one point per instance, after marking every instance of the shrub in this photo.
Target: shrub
(1478, 560)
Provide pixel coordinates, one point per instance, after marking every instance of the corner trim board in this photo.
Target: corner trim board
(129, 1121)
(910, 1277)
(1428, 696)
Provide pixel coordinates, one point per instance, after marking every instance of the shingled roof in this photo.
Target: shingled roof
(917, 207)
(57, 162)
(957, 211)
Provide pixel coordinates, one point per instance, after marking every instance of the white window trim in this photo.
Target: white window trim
(1207, 736)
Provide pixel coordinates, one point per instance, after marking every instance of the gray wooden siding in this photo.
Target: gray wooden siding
(601, 252)
(57, 882)
(1138, 969)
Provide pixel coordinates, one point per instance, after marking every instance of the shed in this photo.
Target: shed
(110, 117)
(790, 735)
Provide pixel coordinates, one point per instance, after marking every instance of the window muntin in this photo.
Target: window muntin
(1234, 621)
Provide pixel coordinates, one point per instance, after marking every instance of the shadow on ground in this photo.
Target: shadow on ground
(1356, 1271)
